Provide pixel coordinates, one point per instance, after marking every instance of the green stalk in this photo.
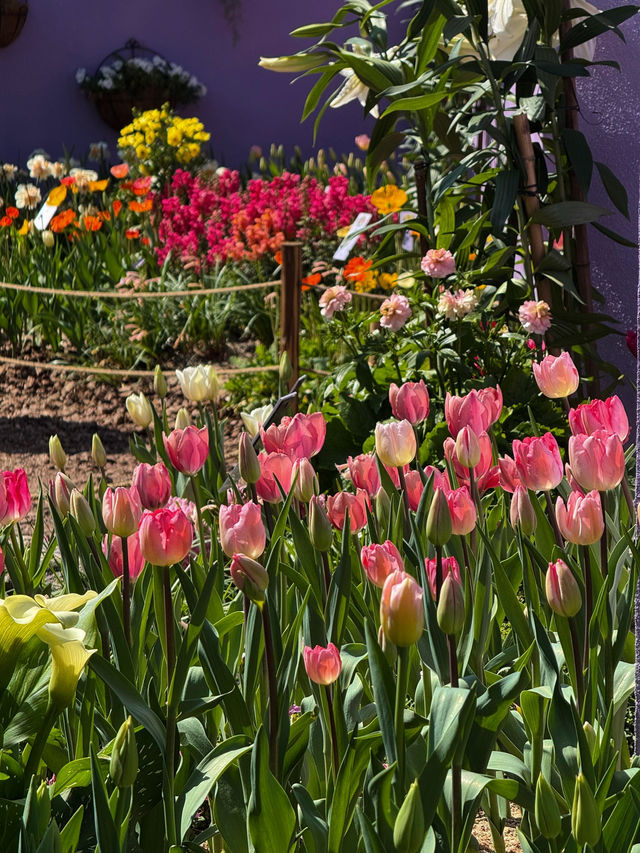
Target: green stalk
(588, 604)
(273, 689)
(126, 591)
(405, 499)
(26, 580)
(552, 519)
(456, 770)
(575, 648)
(401, 694)
(39, 744)
(438, 572)
(196, 500)
(334, 734)
(604, 567)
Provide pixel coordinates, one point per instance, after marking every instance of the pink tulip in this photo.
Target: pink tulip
(562, 590)
(468, 450)
(401, 609)
(188, 507)
(165, 536)
(574, 485)
(415, 488)
(438, 263)
(597, 460)
(606, 414)
(491, 399)
(522, 513)
(508, 474)
(337, 506)
(462, 509)
(440, 478)
(121, 510)
(187, 448)
(450, 566)
(409, 402)
(153, 484)
(114, 555)
(363, 473)
(538, 462)
(306, 480)
(60, 489)
(469, 410)
(580, 521)
(276, 468)
(323, 666)
(15, 497)
(299, 437)
(556, 376)
(242, 530)
(484, 466)
(379, 561)
(395, 443)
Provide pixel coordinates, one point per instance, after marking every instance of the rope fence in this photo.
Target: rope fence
(136, 294)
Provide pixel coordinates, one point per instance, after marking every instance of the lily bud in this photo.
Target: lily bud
(439, 520)
(80, 509)
(383, 508)
(98, 452)
(563, 592)
(468, 448)
(547, 811)
(159, 382)
(183, 419)
(123, 767)
(57, 456)
(306, 483)
(585, 817)
(250, 577)
(409, 829)
(522, 512)
(451, 606)
(320, 529)
(139, 409)
(248, 460)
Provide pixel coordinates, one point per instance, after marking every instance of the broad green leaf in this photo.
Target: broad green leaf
(270, 816)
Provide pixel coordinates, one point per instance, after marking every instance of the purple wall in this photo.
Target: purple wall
(42, 107)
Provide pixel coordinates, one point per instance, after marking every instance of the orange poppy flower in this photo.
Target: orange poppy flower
(132, 233)
(61, 220)
(6, 221)
(311, 280)
(117, 207)
(278, 257)
(141, 186)
(120, 170)
(92, 223)
(357, 268)
(13, 212)
(140, 206)
(98, 186)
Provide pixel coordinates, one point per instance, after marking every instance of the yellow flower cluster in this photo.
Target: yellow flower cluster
(161, 127)
(373, 279)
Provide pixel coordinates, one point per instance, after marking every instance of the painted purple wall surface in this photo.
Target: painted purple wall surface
(41, 105)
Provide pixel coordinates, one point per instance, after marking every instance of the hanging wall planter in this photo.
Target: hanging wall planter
(136, 77)
(13, 14)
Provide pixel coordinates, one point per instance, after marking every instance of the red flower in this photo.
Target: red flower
(13, 212)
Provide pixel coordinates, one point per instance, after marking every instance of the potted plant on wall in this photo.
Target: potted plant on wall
(13, 14)
(135, 76)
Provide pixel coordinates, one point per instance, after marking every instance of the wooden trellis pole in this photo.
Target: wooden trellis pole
(290, 305)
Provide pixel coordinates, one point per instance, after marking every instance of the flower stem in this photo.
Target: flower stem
(168, 625)
(334, 734)
(438, 572)
(456, 771)
(588, 604)
(39, 744)
(552, 519)
(28, 589)
(603, 539)
(405, 498)
(401, 695)
(196, 500)
(126, 591)
(575, 647)
(273, 690)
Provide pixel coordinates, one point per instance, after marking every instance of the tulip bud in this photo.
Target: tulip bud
(468, 448)
(591, 736)
(439, 520)
(409, 829)
(48, 238)
(401, 609)
(121, 510)
(39, 813)
(320, 529)
(250, 577)
(563, 592)
(383, 508)
(60, 489)
(97, 451)
(306, 483)
(547, 811)
(123, 766)
(57, 455)
(286, 368)
(183, 419)
(451, 606)
(585, 816)
(139, 409)
(248, 460)
(522, 512)
(159, 382)
(80, 509)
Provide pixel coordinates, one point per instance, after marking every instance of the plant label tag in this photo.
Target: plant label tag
(407, 239)
(44, 216)
(358, 224)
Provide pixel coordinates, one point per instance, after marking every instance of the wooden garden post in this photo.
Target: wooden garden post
(290, 305)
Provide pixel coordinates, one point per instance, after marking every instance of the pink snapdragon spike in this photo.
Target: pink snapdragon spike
(301, 436)
(15, 497)
(379, 561)
(580, 519)
(606, 414)
(562, 590)
(242, 530)
(121, 510)
(166, 536)
(477, 409)
(334, 299)
(438, 263)
(153, 484)
(462, 509)
(401, 609)
(597, 460)
(114, 555)
(556, 376)
(187, 449)
(450, 566)
(538, 462)
(395, 443)
(508, 474)
(409, 402)
(323, 665)
(394, 312)
(356, 505)
(275, 468)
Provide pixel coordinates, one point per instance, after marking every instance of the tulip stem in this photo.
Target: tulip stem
(327, 572)
(438, 572)
(588, 604)
(552, 519)
(39, 744)
(603, 539)
(196, 500)
(626, 491)
(453, 661)
(401, 695)
(168, 793)
(334, 734)
(126, 591)
(28, 589)
(575, 648)
(405, 498)
(273, 689)
(168, 625)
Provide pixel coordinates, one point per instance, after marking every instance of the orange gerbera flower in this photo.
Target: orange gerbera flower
(120, 170)
(357, 268)
(92, 223)
(98, 186)
(61, 220)
(141, 206)
(117, 207)
(141, 186)
(6, 221)
(13, 212)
